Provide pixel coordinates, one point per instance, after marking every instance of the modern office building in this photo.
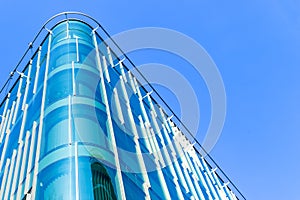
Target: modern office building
(76, 124)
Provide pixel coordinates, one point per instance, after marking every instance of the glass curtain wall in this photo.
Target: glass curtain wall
(77, 125)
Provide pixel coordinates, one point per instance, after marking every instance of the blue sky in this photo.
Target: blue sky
(255, 45)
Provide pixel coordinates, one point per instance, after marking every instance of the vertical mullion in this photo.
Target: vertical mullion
(18, 100)
(142, 166)
(30, 157)
(4, 119)
(109, 123)
(77, 48)
(184, 163)
(24, 159)
(118, 106)
(69, 121)
(73, 79)
(10, 174)
(144, 134)
(221, 190)
(27, 85)
(176, 165)
(23, 123)
(158, 156)
(3, 127)
(105, 69)
(4, 151)
(200, 175)
(131, 82)
(17, 169)
(122, 71)
(10, 117)
(67, 24)
(5, 174)
(110, 57)
(194, 174)
(37, 70)
(76, 172)
(6, 104)
(40, 131)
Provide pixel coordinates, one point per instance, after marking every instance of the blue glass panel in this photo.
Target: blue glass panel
(132, 187)
(59, 87)
(56, 181)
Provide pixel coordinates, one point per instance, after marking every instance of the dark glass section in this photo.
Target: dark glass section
(102, 185)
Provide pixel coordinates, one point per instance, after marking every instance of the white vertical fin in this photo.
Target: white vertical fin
(121, 190)
(40, 131)
(27, 85)
(37, 73)
(5, 174)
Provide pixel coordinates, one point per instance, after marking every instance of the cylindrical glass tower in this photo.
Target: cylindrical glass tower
(78, 125)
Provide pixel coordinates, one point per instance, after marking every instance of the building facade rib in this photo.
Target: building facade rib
(78, 125)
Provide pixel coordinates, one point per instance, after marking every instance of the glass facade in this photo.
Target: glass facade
(77, 125)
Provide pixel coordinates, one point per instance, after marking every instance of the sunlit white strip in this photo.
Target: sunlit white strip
(69, 120)
(27, 85)
(151, 142)
(174, 144)
(154, 133)
(175, 159)
(3, 126)
(77, 48)
(73, 79)
(67, 24)
(210, 181)
(229, 193)
(7, 134)
(173, 167)
(38, 149)
(6, 105)
(5, 174)
(105, 69)
(169, 160)
(194, 175)
(10, 174)
(151, 103)
(144, 113)
(221, 189)
(37, 70)
(23, 123)
(17, 169)
(24, 159)
(4, 120)
(139, 154)
(76, 171)
(30, 157)
(3, 153)
(121, 190)
(131, 81)
(10, 117)
(122, 71)
(110, 57)
(199, 169)
(144, 134)
(179, 151)
(18, 100)
(118, 106)
(157, 158)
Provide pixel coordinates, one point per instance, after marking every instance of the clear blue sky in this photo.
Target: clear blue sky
(256, 46)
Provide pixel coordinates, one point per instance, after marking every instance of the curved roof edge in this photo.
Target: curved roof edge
(38, 39)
